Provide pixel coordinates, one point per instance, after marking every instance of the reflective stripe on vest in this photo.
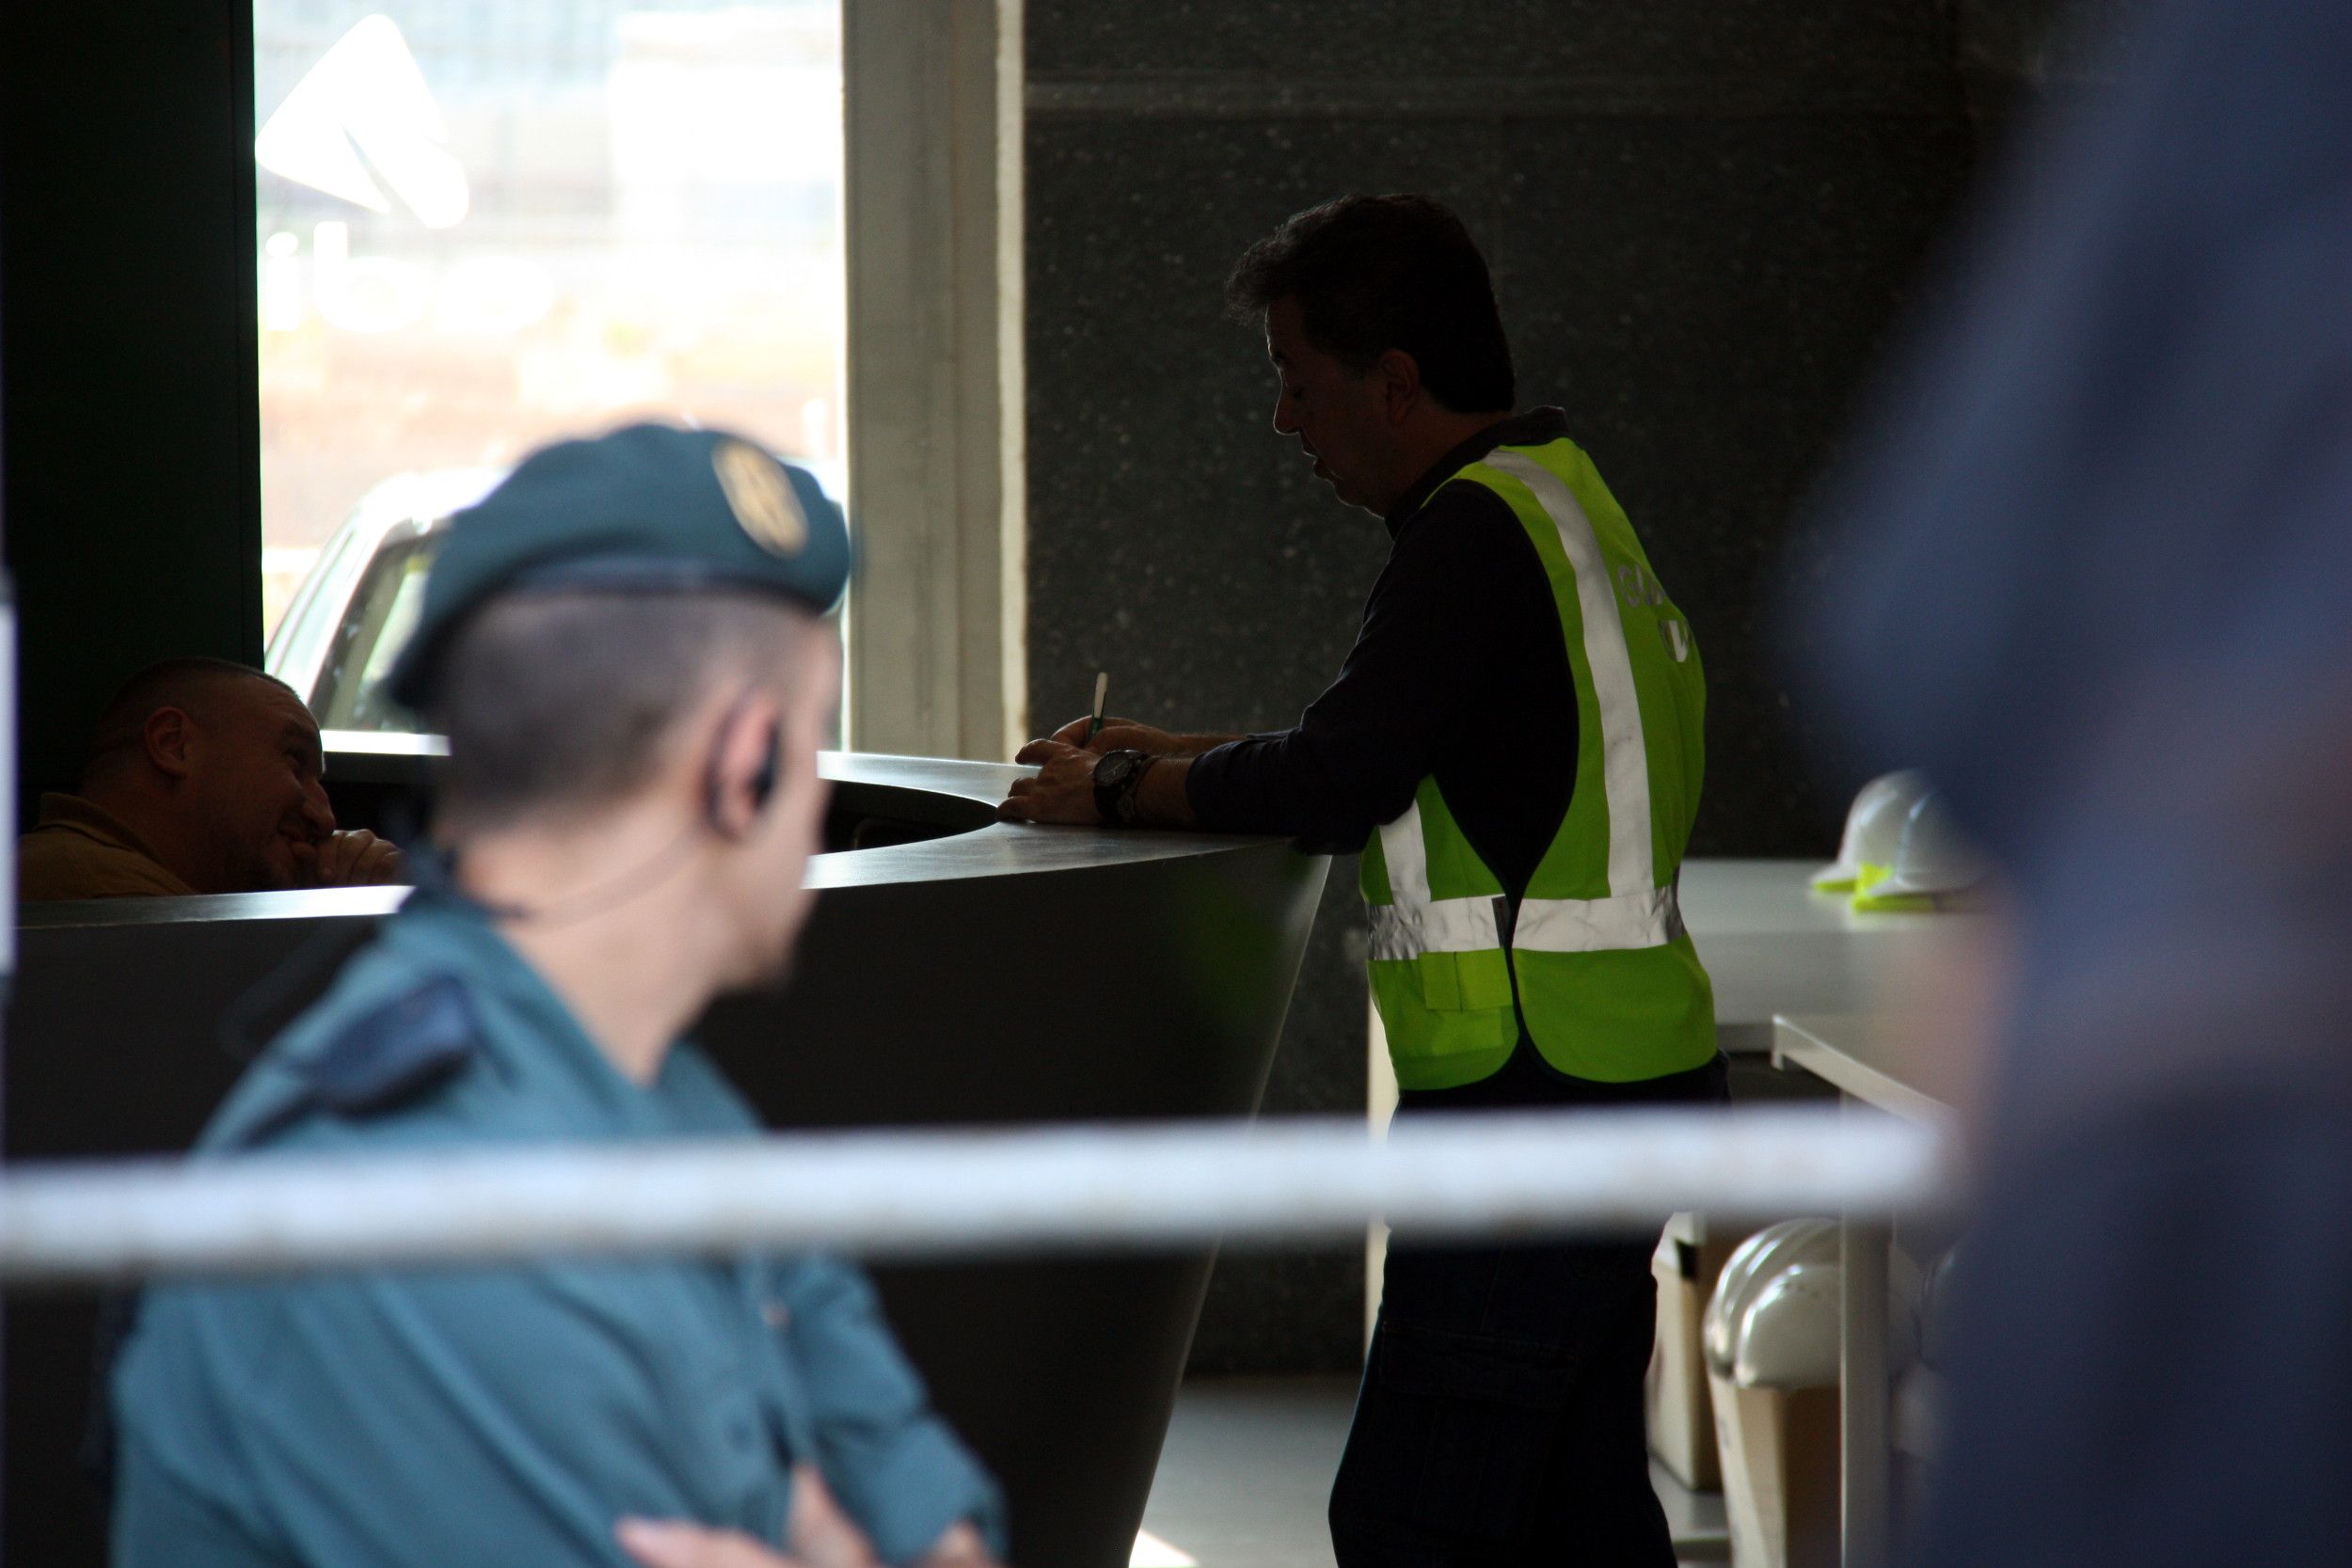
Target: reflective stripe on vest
(1625, 755)
(1637, 913)
(1651, 918)
(1417, 924)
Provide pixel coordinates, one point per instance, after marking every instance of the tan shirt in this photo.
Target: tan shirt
(80, 850)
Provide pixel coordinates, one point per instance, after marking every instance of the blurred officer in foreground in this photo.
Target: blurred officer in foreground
(2097, 581)
(1515, 744)
(621, 645)
(203, 776)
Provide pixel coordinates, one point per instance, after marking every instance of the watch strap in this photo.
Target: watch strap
(1131, 792)
(1114, 796)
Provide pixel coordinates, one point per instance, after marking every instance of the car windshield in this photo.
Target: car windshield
(351, 694)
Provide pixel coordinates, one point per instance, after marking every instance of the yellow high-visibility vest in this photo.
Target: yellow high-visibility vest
(1596, 963)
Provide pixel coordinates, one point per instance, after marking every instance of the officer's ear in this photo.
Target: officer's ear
(1399, 375)
(169, 737)
(746, 756)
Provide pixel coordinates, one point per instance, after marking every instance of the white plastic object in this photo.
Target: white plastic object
(1935, 1308)
(1747, 1271)
(1933, 859)
(1874, 825)
(1788, 1335)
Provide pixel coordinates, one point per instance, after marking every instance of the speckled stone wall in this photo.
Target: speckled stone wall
(1705, 219)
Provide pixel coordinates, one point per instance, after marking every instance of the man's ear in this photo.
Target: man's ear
(745, 758)
(1400, 383)
(169, 738)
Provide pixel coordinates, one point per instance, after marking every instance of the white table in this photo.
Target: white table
(1773, 945)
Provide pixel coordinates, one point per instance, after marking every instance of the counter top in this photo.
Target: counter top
(1772, 945)
(959, 797)
(987, 848)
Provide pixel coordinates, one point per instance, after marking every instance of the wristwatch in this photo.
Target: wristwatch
(1116, 777)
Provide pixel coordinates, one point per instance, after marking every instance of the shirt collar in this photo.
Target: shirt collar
(1531, 429)
(76, 815)
(439, 928)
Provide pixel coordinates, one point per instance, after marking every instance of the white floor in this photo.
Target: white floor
(1248, 1463)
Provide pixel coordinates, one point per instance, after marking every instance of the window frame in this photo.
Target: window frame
(937, 620)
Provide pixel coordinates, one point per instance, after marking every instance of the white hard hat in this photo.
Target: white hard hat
(1874, 825)
(1749, 1268)
(1788, 1335)
(1935, 867)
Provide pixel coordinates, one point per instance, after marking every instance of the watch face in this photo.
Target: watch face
(1114, 768)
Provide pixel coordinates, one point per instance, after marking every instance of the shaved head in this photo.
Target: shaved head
(563, 702)
(200, 688)
(219, 769)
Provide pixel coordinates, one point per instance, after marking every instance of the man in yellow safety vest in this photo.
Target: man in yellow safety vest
(1515, 745)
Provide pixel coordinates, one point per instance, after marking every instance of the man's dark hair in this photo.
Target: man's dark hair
(1376, 273)
(563, 700)
(189, 682)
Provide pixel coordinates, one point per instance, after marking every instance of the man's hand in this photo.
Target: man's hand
(1117, 734)
(356, 858)
(1063, 790)
(676, 1543)
(822, 1537)
(960, 1547)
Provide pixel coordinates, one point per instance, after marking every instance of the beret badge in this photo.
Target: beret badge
(761, 498)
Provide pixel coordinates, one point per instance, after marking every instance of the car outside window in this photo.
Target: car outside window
(350, 694)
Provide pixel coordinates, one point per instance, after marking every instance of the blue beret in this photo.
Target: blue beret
(649, 508)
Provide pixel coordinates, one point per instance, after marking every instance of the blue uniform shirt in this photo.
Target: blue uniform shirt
(503, 1416)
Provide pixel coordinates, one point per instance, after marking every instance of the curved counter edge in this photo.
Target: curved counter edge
(941, 792)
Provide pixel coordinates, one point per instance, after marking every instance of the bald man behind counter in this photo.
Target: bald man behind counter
(204, 776)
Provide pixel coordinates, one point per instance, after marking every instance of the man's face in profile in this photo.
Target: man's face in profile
(1339, 418)
(255, 782)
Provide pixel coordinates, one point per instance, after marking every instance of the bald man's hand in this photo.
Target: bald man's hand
(354, 858)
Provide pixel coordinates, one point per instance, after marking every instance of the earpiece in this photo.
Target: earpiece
(761, 786)
(763, 783)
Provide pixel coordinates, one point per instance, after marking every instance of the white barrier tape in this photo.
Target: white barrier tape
(1099, 1187)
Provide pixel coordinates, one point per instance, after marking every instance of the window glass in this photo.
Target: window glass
(381, 613)
(483, 226)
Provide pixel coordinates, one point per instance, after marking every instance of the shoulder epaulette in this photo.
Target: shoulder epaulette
(409, 1043)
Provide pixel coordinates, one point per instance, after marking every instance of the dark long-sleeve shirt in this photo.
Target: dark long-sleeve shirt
(1461, 670)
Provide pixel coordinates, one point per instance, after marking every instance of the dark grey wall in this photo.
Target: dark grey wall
(1706, 218)
(128, 380)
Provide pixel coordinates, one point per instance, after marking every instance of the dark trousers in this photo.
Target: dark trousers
(1500, 1419)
